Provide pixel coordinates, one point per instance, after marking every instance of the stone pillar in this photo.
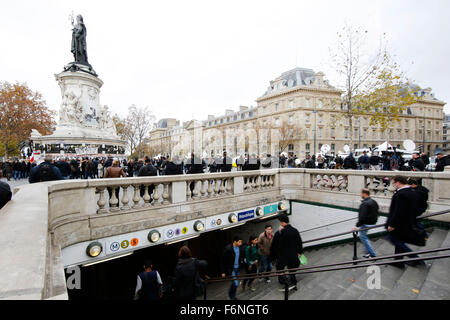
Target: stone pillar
(355, 183)
(177, 192)
(238, 185)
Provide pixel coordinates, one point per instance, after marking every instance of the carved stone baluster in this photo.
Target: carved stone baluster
(390, 189)
(165, 194)
(254, 182)
(125, 198)
(216, 187)
(146, 196)
(195, 191)
(272, 181)
(228, 186)
(345, 183)
(101, 200)
(113, 202)
(156, 195)
(210, 189)
(136, 196)
(222, 186)
(203, 189)
(188, 191)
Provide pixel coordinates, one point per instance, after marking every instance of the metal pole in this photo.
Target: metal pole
(286, 290)
(206, 286)
(355, 240)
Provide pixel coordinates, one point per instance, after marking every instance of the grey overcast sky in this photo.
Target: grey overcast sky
(193, 58)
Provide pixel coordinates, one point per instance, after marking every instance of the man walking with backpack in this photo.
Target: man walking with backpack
(46, 171)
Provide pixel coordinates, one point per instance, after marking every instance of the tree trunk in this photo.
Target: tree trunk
(6, 150)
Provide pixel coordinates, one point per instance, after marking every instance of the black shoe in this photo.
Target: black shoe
(399, 265)
(416, 263)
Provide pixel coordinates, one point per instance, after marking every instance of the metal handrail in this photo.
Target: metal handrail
(282, 272)
(355, 260)
(376, 226)
(299, 272)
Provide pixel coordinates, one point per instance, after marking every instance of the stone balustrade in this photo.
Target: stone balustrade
(74, 211)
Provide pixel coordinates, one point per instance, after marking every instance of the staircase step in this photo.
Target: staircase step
(437, 285)
(408, 286)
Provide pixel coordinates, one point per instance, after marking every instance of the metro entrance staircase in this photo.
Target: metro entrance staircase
(429, 282)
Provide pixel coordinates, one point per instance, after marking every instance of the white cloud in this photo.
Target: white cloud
(201, 57)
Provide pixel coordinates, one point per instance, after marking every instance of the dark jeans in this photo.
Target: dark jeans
(234, 284)
(280, 265)
(400, 247)
(253, 269)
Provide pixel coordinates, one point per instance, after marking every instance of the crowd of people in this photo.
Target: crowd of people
(388, 161)
(284, 248)
(92, 168)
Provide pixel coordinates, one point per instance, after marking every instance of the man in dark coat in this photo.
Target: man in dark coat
(230, 263)
(416, 163)
(367, 217)
(227, 163)
(350, 162)
(5, 193)
(402, 217)
(46, 171)
(441, 160)
(286, 248)
(64, 168)
(173, 166)
(148, 170)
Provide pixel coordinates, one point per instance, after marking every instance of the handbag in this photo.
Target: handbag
(199, 287)
(303, 260)
(417, 237)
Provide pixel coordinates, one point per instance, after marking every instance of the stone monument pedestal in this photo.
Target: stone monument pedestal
(85, 127)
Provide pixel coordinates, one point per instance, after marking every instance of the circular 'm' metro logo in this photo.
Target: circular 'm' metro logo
(169, 233)
(114, 246)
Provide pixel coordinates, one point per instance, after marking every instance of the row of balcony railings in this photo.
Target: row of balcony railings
(115, 195)
(135, 193)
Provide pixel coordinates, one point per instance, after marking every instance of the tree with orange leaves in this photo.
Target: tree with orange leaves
(21, 110)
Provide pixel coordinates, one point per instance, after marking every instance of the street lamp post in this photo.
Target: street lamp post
(315, 129)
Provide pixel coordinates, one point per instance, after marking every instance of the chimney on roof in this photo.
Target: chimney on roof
(298, 77)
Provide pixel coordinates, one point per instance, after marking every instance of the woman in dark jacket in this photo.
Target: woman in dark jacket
(185, 274)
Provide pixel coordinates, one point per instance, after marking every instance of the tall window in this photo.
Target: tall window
(320, 132)
(332, 132)
(308, 118)
(291, 104)
(320, 118)
(346, 133)
(291, 119)
(307, 147)
(276, 107)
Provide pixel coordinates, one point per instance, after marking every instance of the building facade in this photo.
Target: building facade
(446, 133)
(304, 100)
